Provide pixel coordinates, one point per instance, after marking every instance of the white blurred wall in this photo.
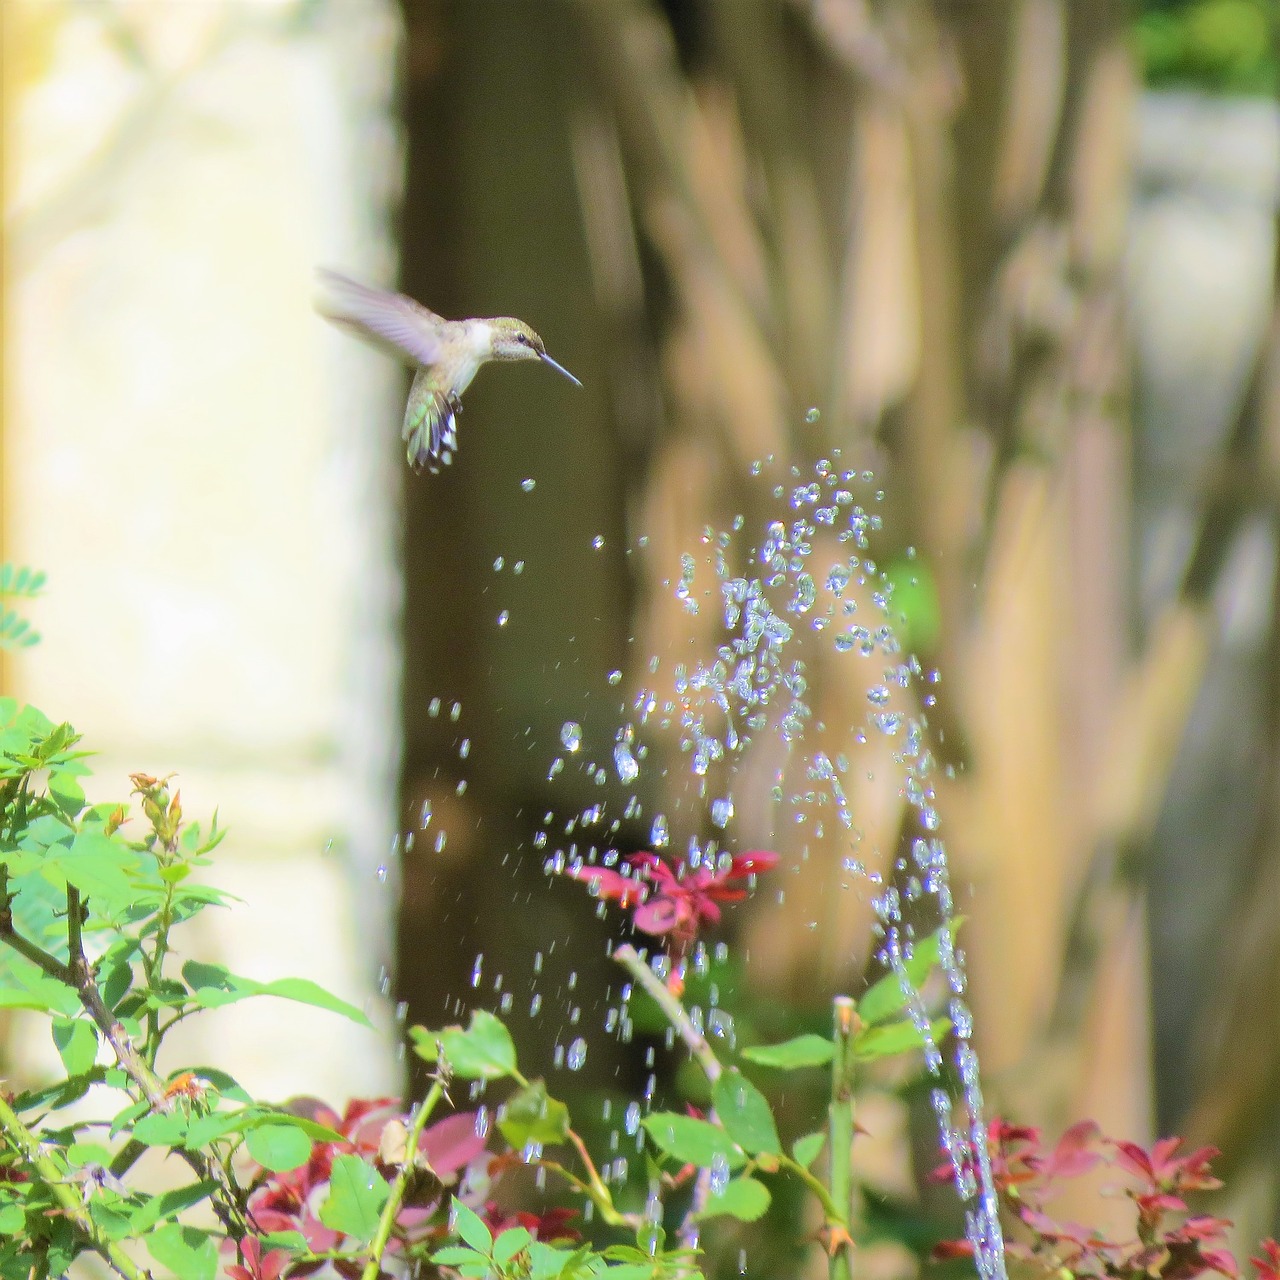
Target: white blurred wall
(201, 465)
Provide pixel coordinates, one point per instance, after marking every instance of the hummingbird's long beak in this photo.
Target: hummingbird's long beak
(559, 368)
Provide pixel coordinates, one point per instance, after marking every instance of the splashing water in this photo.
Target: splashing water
(804, 599)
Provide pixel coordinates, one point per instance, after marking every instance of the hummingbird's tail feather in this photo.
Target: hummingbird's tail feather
(430, 424)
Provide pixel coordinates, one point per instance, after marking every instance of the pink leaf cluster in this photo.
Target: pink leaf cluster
(1168, 1241)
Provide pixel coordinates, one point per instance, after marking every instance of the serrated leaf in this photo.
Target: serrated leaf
(692, 1141)
(509, 1243)
(802, 1051)
(77, 1044)
(467, 1225)
(162, 1129)
(891, 1038)
(484, 1051)
(80, 1154)
(202, 1130)
(806, 1149)
(357, 1192)
(188, 1252)
(885, 999)
(278, 1147)
(213, 986)
(169, 1204)
(97, 865)
(26, 987)
(531, 1115)
(744, 1112)
(453, 1255)
(742, 1198)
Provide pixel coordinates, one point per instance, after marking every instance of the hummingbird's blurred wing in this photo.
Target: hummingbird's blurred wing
(430, 423)
(392, 322)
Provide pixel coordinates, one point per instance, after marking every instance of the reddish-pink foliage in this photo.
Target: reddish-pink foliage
(1169, 1243)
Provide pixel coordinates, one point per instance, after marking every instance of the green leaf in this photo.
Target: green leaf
(80, 1154)
(484, 1051)
(743, 1198)
(803, 1051)
(188, 1252)
(466, 1224)
(213, 986)
(692, 1141)
(27, 987)
(509, 1243)
(19, 580)
(885, 999)
(532, 1116)
(357, 1192)
(77, 1044)
(95, 863)
(278, 1147)
(226, 1085)
(202, 1130)
(162, 1129)
(453, 1255)
(806, 1149)
(169, 1204)
(895, 1037)
(12, 1219)
(745, 1114)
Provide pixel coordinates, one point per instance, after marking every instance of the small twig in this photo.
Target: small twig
(629, 958)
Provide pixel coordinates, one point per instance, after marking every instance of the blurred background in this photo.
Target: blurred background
(1020, 257)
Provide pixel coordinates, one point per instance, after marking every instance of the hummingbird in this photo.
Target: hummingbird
(445, 354)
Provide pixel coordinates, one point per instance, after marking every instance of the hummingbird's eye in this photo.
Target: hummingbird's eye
(522, 339)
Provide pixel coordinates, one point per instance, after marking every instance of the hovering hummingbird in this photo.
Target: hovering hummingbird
(445, 353)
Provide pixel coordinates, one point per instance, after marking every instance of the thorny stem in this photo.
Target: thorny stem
(387, 1219)
(66, 1193)
(629, 958)
(78, 975)
(840, 1135)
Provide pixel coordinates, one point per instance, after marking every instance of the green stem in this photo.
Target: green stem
(629, 958)
(78, 975)
(67, 1195)
(840, 1136)
(603, 1203)
(387, 1219)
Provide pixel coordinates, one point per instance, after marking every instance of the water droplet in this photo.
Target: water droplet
(571, 735)
(518, 567)
(659, 836)
(813, 415)
(626, 764)
(631, 1118)
(598, 541)
(615, 677)
(722, 811)
(497, 564)
(504, 617)
(528, 485)
(577, 1054)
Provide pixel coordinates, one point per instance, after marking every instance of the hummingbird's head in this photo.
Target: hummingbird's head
(514, 340)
